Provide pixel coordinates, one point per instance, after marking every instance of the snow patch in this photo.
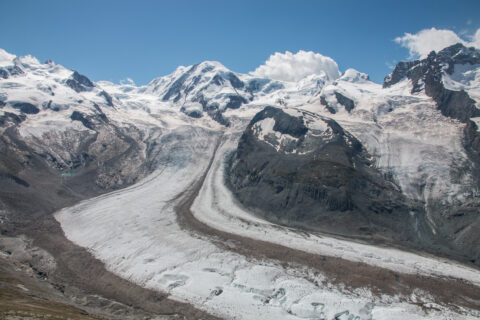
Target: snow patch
(465, 77)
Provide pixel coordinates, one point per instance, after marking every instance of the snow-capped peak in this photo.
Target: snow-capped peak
(6, 59)
(212, 64)
(352, 75)
(28, 61)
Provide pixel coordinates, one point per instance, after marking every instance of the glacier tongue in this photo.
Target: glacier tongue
(158, 254)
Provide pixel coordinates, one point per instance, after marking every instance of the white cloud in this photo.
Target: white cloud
(422, 43)
(293, 67)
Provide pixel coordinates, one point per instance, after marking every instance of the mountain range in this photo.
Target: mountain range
(392, 165)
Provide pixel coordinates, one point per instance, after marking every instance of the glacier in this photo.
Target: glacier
(185, 127)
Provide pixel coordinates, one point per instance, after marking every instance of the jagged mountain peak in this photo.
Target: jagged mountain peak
(443, 61)
(458, 54)
(450, 77)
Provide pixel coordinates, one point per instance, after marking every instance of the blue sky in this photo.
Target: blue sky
(115, 40)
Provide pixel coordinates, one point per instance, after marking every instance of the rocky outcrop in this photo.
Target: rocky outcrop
(26, 107)
(234, 81)
(79, 82)
(108, 98)
(9, 118)
(8, 71)
(327, 183)
(426, 75)
(235, 101)
(324, 102)
(344, 101)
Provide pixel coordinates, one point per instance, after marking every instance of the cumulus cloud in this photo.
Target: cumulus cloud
(295, 66)
(423, 42)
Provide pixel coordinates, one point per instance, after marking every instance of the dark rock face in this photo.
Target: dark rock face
(284, 123)
(401, 71)
(459, 54)
(324, 102)
(78, 116)
(3, 73)
(12, 118)
(234, 81)
(218, 80)
(414, 70)
(347, 103)
(90, 121)
(427, 74)
(454, 104)
(6, 72)
(26, 107)
(472, 138)
(344, 101)
(332, 188)
(79, 82)
(74, 85)
(14, 70)
(82, 79)
(218, 116)
(108, 98)
(235, 102)
(192, 113)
